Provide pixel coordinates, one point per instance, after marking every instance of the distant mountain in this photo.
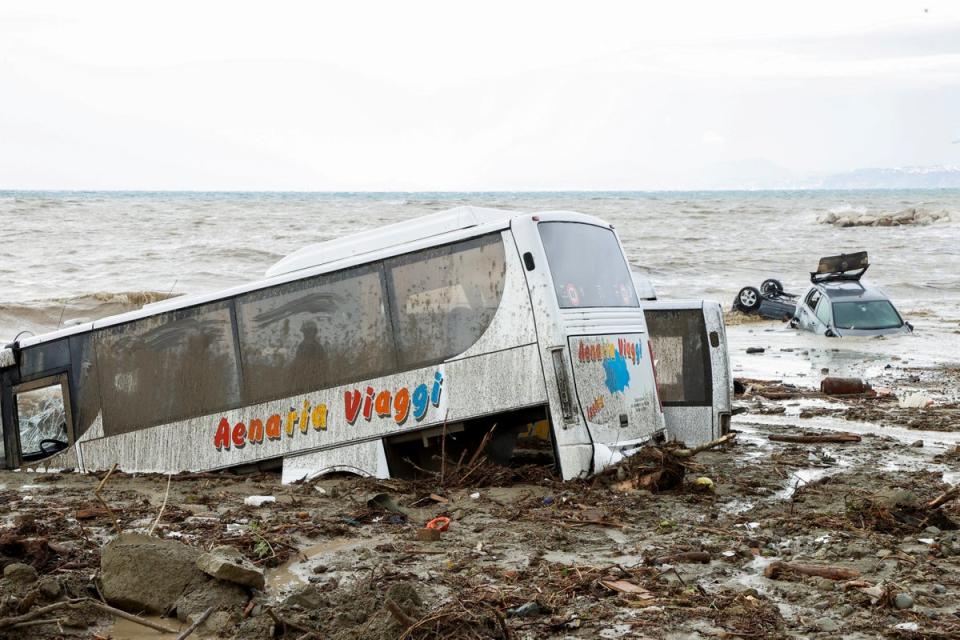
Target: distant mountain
(935, 177)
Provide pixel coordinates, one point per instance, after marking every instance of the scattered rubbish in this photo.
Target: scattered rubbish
(815, 439)
(386, 503)
(752, 350)
(258, 501)
(440, 523)
(907, 626)
(625, 586)
(844, 386)
(548, 500)
(475, 495)
(524, 610)
(703, 483)
(917, 400)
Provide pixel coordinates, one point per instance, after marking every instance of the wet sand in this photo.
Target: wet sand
(594, 559)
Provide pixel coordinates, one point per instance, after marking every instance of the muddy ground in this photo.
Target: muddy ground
(527, 556)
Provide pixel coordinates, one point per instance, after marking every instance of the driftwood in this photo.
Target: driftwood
(701, 557)
(399, 614)
(835, 437)
(162, 507)
(16, 621)
(689, 453)
(775, 569)
(944, 498)
(96, 492)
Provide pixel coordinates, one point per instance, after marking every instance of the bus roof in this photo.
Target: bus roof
(408, 235)
(393, 235)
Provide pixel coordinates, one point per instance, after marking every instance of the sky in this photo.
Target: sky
(414, 96)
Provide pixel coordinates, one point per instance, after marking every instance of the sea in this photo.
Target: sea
(66, 256)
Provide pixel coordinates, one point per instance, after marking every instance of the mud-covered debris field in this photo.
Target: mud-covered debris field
(824, 515)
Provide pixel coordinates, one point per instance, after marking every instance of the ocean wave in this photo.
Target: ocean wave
(48, 314)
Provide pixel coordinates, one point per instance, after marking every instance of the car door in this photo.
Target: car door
(806, 312)
(823, 315)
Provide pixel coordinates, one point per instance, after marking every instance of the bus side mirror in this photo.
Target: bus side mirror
(830, 334)
(909, 326)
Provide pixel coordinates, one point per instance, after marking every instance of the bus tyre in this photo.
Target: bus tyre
(748, 299)
(771, 287)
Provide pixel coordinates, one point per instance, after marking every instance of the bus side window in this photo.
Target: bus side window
(314, 333)
(444, 298)
(161, 368)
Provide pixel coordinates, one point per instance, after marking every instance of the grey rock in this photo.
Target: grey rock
(826, 624)
(898, 498)
(228, 564)
(934, 531)
(20, 573)
(142, 573)
(49, 588)
(903, 601)
(309, 597)
(824, 584)
(917, 444)
(213, 593)
(219, 623)
(939, 589)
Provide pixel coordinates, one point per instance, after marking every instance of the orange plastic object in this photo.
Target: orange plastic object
(441, 523)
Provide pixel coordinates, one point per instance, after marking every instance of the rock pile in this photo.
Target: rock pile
(142, 573)
(911, 216)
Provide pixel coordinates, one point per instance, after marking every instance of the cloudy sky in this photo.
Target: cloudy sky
(460, 96)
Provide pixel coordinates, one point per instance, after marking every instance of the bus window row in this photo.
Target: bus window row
(398, 314)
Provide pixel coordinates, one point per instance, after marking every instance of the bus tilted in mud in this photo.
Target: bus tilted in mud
(359, 354)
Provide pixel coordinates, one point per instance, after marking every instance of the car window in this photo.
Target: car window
(871, 314)
(813, 298)
(823, 311)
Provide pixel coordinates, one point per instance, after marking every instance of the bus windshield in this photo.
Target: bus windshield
(588, 268)
(871, 314)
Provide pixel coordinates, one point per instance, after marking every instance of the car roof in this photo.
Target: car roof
(847, 291)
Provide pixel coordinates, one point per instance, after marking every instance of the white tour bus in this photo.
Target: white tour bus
(358, 354)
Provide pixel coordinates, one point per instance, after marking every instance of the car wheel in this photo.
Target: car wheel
(771, 287)
(748, 299)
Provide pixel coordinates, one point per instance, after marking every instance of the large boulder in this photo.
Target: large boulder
(142, 573)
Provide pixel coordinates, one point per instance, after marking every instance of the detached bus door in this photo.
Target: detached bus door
(690, 351)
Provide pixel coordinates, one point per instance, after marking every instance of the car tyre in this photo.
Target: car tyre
(749, 299)
(771, 287)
